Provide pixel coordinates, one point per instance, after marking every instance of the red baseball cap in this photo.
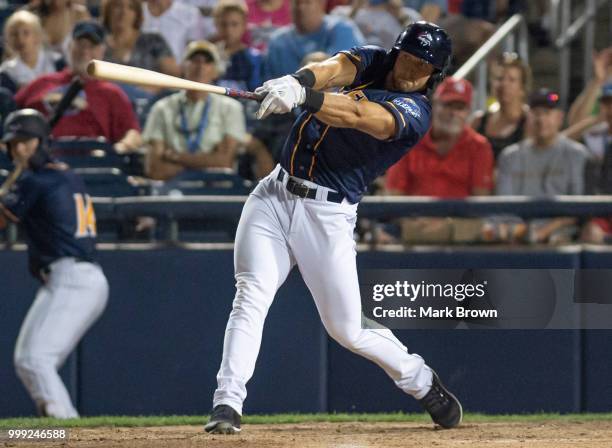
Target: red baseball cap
(453, 89)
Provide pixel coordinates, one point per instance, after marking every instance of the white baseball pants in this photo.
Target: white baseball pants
(276, 231)
(71, 300)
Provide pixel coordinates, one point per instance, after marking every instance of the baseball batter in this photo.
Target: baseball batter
(304, 212)
(51, 204)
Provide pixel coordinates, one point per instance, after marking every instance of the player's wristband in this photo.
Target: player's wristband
(305, 77)
(314, 100)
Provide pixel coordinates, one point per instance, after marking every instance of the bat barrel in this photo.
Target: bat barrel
(110, 71)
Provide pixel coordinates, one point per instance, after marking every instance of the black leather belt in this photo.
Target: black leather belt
(45, 271)
(47, 268)
(306, 192)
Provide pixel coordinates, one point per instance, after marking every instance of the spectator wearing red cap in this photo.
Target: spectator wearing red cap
(544, 165)
(452, 160)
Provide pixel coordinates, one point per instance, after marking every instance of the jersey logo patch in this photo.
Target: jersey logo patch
(425, 39)
(357, 95)
(409, 106)
(86, 217)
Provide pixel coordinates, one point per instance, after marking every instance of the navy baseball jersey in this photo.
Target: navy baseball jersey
(348, 160)
(56, 213)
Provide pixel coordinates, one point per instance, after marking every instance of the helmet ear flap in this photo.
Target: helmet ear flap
(438, 77)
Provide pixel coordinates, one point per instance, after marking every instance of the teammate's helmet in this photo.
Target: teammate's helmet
(28, 123)
(426, 41)
(25, 123)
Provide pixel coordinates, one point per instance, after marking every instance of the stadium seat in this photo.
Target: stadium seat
(80, 153)
(107, 182)
(209, 182)
(79, 145)
(110, 182)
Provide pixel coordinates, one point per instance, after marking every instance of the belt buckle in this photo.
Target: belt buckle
(298, 189)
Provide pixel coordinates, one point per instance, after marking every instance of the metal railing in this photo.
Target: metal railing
(513, 34)
(224, 211)
(564, 32)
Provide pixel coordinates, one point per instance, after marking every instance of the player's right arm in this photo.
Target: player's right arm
(337, 71)
(359, 65)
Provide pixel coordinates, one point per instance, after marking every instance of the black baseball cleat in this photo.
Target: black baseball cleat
(223, 420)
(444, 408)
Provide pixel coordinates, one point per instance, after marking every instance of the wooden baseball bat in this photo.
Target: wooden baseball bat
(110, 71)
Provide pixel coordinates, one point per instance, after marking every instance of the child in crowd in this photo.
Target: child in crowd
(242, 63)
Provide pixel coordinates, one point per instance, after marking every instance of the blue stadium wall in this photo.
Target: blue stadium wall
(157, 348)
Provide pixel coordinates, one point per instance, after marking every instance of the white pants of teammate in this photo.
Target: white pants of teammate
(276, 231)
(71, 300)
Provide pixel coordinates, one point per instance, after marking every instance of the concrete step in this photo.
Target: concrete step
(545, 64)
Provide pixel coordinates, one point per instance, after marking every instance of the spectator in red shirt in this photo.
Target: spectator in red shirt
(452, 160)
(99, 109)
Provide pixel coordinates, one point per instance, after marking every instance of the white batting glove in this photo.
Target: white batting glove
(283, 94)
(284, 82)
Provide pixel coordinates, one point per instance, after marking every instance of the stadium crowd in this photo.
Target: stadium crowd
(523, 144)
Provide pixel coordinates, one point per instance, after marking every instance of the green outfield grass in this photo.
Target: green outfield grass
(172, 420)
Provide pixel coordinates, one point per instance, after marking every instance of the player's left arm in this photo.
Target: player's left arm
(343, 111)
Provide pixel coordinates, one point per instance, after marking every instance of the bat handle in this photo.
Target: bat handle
(235, 93)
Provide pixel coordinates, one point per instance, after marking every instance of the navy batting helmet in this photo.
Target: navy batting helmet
(426, 41)
(25, 123)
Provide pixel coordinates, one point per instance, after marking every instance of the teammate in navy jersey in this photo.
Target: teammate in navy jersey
(51, 204)
(304, 212)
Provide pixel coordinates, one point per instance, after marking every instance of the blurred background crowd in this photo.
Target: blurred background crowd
(527, 141)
